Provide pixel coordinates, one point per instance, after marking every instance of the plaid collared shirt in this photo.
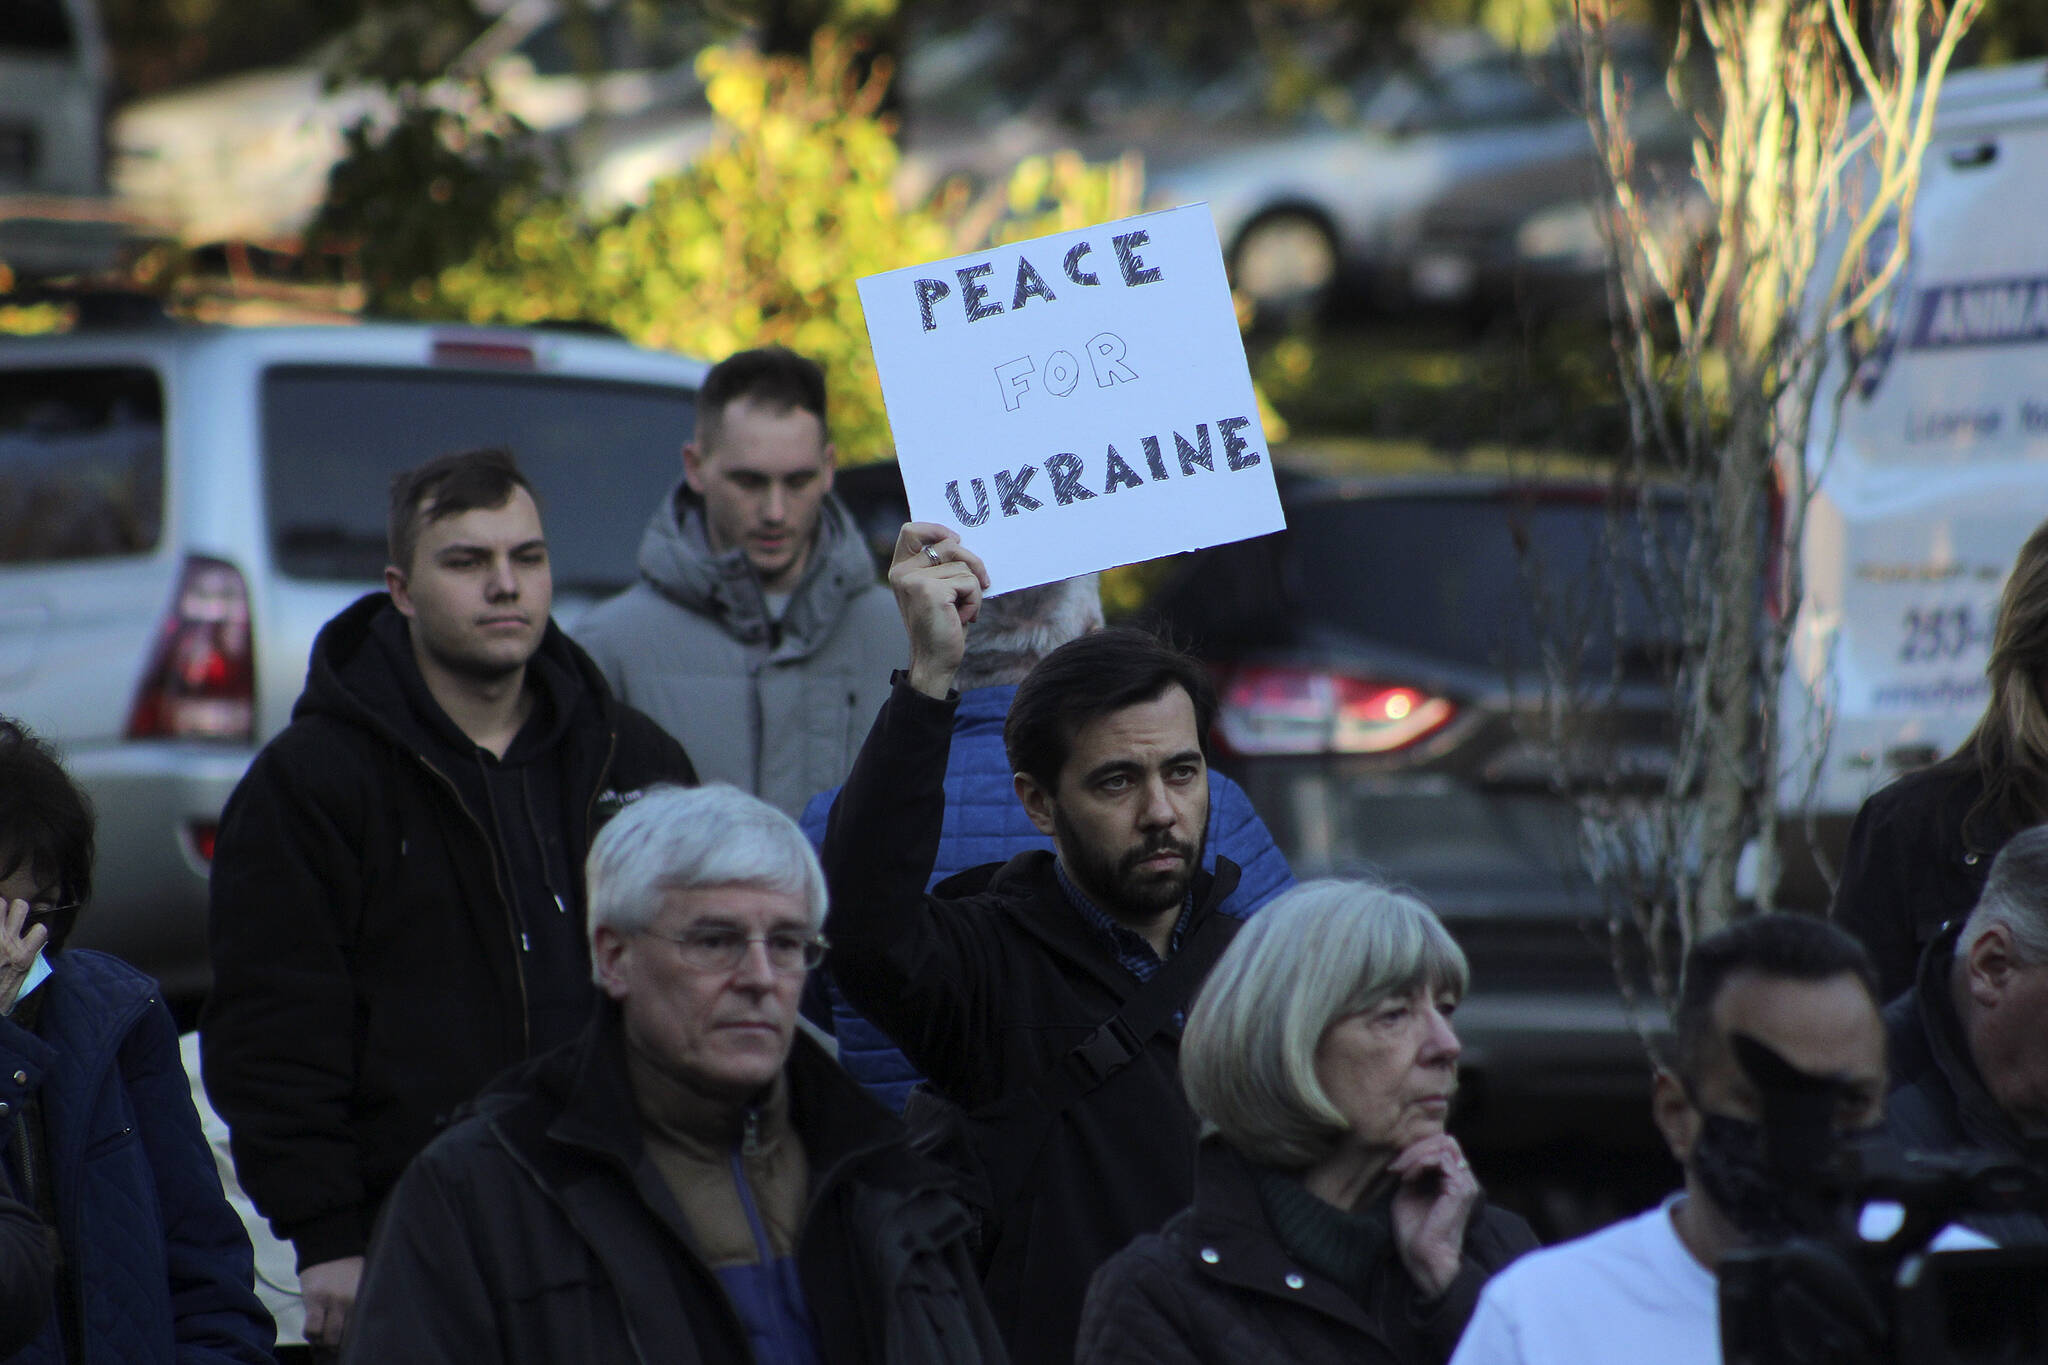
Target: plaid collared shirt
(1130, 949)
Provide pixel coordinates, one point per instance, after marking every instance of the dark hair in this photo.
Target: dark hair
(46, 823)
(1792, 946)
(448, 486)
(1090, 677)
(2008, 748)
(773, 376)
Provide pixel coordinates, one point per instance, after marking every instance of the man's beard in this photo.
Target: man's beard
(1114, 880)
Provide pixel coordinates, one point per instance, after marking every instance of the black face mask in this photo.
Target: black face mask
(1729, 1160)
(1764, 1203)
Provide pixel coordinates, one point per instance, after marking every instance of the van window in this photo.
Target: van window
(35, 26)
(81, 463)
(599, 454)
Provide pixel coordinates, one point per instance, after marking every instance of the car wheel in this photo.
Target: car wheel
(1285, 263)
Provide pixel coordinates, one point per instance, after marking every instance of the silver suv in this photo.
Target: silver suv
(182, 508)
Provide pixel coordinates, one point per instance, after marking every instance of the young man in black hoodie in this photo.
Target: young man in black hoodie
(397, 895)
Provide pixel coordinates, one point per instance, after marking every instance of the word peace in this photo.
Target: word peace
(974, 295)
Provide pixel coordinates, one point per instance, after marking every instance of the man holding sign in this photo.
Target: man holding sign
(1043, 997)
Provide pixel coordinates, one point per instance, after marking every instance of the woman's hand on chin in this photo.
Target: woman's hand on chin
(1434, 1202)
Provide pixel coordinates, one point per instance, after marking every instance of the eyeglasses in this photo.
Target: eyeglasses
(719, 948)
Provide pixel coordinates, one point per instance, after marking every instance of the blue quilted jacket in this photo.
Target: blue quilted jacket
(159, 1263)
(985, 823)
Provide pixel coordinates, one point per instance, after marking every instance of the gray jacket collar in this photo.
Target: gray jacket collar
(677, 560)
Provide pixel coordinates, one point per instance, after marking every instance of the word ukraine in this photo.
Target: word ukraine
(1071, 479)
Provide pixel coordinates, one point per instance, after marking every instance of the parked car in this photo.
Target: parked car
(1413, 184)
(610, 84)
(56, 217)
(1388, 669)
(1928, 473)
(182, 508)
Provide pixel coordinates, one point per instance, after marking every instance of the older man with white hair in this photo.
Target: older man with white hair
(691, 1180)
(1969, 1042)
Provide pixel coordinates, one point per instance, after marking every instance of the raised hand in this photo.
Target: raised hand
(938, 584)
(20, 941)
(1437, 1195)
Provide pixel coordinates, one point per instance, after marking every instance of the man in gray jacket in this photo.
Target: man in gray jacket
(758, 634)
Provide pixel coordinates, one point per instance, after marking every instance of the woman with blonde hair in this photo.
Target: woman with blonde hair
(1334, 1218)
(1921, 847)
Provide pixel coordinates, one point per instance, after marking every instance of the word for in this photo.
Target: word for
(974, 295)
(1067, 473)
(1062, 373)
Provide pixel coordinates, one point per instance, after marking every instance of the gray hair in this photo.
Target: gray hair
(1323, 950)
(1014, 631)
(679, 838)
(2015, 897)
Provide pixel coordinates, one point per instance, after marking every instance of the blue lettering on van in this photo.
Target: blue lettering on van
(2011, 312)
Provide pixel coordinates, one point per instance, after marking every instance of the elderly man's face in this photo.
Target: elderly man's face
(726, 1031)
(2008, 1028)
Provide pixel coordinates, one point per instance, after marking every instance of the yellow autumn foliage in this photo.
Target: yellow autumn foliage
(761, 240)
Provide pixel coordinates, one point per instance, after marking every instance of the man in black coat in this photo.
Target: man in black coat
(397, 899)
(1042, 996)
(1969, 1042)
(691, 1182)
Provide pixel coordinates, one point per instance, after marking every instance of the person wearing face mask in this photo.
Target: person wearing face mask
(1645, 1289)
(1334, 1219)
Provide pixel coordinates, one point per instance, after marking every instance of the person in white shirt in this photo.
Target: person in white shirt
(1645, 1289)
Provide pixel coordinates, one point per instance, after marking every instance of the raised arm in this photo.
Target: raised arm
(901, 958)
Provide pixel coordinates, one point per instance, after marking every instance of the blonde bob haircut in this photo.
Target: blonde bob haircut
(1324, 950)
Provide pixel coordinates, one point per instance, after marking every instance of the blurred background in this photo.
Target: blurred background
(1401, 191)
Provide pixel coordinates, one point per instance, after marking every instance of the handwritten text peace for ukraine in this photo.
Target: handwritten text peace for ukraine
(1076, 401)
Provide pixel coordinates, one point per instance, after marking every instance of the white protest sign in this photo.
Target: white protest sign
(1077, 401)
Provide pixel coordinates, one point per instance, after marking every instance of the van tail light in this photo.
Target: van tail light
(201, 679)
(1277, 709)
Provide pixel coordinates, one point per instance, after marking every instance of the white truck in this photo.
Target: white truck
(1931, 472)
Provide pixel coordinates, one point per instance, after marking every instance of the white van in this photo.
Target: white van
(1935, 473)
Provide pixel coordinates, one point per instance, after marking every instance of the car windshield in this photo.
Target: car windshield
(1490, 582)
(599, 454)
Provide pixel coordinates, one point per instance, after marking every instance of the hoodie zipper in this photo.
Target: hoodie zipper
(519, 940)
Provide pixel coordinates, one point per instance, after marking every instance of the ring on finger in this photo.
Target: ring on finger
(931, 553)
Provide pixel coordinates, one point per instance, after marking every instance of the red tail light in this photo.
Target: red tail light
(201, 835)
(1273, 709)
(201, 679)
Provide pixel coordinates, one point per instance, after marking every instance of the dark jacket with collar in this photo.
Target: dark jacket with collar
(1910, 867)
(985, 823)
(156, 1267)
(1938, 1102)
(372, 968)
(1216, 1286)
(987, 983)
(539, 1230)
